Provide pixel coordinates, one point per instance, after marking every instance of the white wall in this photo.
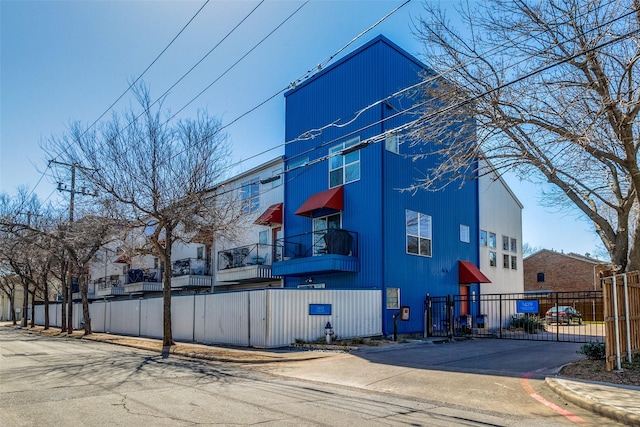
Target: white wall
(500, 213)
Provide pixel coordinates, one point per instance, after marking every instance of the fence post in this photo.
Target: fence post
(615, 322)
(557, 303)
(500, 313)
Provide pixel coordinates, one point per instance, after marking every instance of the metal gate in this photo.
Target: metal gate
(544, 316)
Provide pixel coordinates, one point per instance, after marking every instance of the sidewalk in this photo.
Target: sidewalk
(620, 403)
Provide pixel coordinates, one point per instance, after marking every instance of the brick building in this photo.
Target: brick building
(548, 270)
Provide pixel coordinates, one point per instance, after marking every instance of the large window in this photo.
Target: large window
(344, 168)
(418, 233)
(249, 195)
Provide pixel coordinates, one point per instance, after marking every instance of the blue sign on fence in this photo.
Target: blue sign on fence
(527, 306)
(319, 309)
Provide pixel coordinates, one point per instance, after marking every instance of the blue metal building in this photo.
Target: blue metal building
(347, 224)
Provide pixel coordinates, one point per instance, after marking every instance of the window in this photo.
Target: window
(492, 240)
(249, 195)
(262, 237)
(298, 163)
(276, 175)
(514, 245)
(464, 233)
(393, 298)
(505, 243)
(320, 227)
(392, 143)
(514, 262)
(418, 233)
(493, 260)
(505, 261)
(540, 277)
(200, 253)
(344, 168)
(483, 238)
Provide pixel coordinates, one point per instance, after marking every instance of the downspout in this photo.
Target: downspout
(383, 286)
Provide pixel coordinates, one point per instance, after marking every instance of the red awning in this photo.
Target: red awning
(330, 200)
(469, 273)
(273, 214)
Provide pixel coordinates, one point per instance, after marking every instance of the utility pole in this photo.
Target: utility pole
(68, 296)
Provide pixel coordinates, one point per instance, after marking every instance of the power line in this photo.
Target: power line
(133, 83)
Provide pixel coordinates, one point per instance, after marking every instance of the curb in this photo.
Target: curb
(592, 405)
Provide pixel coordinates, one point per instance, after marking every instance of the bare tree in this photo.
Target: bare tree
(552, 88)
(154, 174)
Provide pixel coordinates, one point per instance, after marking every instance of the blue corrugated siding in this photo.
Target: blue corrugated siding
(373, 206)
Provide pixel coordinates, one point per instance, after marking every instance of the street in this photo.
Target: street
(54, 381)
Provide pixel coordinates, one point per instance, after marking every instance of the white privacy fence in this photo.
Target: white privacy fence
(259, 318)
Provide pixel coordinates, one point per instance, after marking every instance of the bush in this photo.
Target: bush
(593, 350)
(529, 324)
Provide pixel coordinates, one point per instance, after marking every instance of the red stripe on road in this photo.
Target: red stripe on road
(524, 382)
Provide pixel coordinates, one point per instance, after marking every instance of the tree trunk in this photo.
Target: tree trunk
(65, 293)
(84, 289)
(12, 302)
(46, 303)
(167, 336)
(33, 308)
(25, 304)
(70, 305)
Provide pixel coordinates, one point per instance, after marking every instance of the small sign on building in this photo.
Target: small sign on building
(527, 306)
(319, 309)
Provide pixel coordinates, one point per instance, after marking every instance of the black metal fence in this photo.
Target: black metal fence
(544, 316)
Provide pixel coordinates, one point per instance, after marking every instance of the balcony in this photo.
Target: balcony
(190, 273)
(141, 281)
(247, 264)
(110, 286)
(318, 252)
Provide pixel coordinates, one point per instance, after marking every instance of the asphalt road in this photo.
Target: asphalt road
(53, 381)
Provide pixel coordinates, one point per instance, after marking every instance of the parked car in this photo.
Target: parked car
(563, 314)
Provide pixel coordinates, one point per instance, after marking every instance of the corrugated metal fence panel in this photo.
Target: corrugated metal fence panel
(151, 318)
(182, 317)
(97, 311)
(228, 318)
(38, 314)
(353, 313)
(125, 316)
(258, 318)
(200, 318)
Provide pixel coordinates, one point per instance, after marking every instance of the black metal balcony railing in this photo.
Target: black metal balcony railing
(256, 254)
(320, 242)
(189, 266)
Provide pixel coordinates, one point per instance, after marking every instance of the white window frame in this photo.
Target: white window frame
(250, 195)
(465, 233)
(393, 295)
(424, 232)
(320, 232)
(392, 143)
(341, 163)
(493, 240)
(493, 259)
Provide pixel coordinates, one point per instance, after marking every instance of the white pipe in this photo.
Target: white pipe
(627, 314)
(615, 322)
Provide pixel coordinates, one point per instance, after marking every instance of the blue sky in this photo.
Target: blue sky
(70, 60)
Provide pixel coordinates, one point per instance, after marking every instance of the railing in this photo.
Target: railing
(111, 281)
(189, 266)
(256, 254)
(144, 275)
(320, 242)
